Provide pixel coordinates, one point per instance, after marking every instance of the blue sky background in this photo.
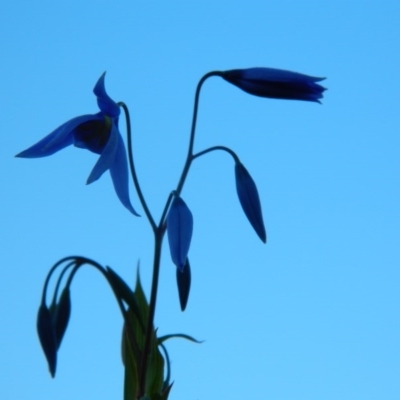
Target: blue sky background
(314, 314)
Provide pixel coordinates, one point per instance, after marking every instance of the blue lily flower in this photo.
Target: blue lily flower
(276, 83)
(98, 133)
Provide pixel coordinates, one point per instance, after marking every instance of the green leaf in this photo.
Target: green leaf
(142, 304)
(162, 339)
(168, 365)
(165, 393)
(123, 291)
(155, 372)
(131, 359)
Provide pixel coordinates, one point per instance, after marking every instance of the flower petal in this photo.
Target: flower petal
(56, 140)
(180, 229)
(120, 177)
(107, 156)
(276, 83)
(104, 101)
(249, 200)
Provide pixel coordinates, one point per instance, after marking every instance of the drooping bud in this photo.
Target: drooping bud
(183, 279)
(180, 229)
(47, 337)
(276, 83)
(61, 314)
(249, 200)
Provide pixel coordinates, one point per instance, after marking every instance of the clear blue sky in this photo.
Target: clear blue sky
(311, 315)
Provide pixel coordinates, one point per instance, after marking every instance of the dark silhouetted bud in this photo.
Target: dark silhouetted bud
(61, 315)
(47, 337)
(249, 199)
(276, 83)
(180, 228)
(183, 279)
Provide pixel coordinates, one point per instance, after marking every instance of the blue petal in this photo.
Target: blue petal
(276, 83)
(56, 140)
(249, 200)
(107, 156)
(180, 229)
(104, 101)
(120, 177)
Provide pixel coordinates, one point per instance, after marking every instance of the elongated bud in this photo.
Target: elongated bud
(249, 200)
(276, 83)
(180, 229)
(61, 315)
(183, 279)
(47, 337)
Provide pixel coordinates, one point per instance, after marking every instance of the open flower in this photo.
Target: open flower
(276, 83)
(98, 133)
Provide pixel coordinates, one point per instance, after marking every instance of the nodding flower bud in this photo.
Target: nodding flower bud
(61, 314)
(179, 228)
(249, 200)
(276, 83)
(183, 279)
(47, 337)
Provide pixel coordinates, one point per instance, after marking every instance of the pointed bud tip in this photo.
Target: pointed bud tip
(249, 200)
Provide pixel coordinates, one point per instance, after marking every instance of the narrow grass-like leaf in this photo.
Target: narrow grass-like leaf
(131, 357)
(141, 301)
(164, 338)
(155, 372)
(168, 365)
(123, 291)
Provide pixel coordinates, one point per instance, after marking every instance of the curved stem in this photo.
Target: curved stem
(60, 277)
(193, 130)
(214, 148)
(160, 230)
(50, 273)
(83, 261)
(132, 167)
(166, 207)
(78, 261)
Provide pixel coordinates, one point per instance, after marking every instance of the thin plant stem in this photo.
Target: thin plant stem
(214, 148)
(79, 261)
(189, 157)
(132, 166)
(158, 236)
(160, 230)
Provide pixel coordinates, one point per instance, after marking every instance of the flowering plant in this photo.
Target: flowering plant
(145, 357)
